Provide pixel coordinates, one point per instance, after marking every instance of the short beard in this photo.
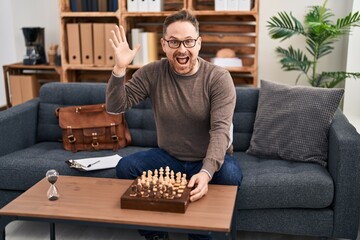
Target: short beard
(189, 66)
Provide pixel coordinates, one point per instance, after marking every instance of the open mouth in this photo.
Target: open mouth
(182, 60)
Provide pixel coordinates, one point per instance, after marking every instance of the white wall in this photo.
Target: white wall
(16, 14)
(269, 66)
(7, 43)
(352, 86)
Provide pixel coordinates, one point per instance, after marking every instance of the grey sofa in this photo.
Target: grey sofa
(276, 195)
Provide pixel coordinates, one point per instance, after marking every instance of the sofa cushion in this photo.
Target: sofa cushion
(244, 116)
(274, 183)
(292, 122)
(22, 169)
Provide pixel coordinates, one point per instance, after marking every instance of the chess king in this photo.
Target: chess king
(193, 103)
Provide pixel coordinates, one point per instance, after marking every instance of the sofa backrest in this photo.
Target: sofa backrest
(53, 95)
(140, 118)
(244, 116)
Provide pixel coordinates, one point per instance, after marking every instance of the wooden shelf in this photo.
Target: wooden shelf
(237, 30)
(89, 14)
(42, 72)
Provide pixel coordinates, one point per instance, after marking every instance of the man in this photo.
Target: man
(193, 103)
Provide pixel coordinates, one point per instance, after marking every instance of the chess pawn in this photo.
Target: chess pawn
(165, 191)
(172, 177)
(161, 179)
(167, 171)
(179, 193)
(157, 193)
(167, 179)
(161, 188)
(133, 190)
(143, 176)
(170, 192)
(154, 181)
(152, 192)
(183, 179)
(145, 192)
(182, 184)
(178, 177)
(151, 183)
(150, 175)
(156, 173)
(139, 187)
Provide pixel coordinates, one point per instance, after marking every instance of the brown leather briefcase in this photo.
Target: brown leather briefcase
(90, 127)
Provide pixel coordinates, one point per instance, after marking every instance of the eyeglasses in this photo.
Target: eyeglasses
(188, 43)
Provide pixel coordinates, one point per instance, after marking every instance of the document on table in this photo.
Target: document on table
(95, 163)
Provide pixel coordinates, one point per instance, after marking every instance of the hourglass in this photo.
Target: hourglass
(52, 176)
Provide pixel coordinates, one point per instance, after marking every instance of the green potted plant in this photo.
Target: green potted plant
(320, 35)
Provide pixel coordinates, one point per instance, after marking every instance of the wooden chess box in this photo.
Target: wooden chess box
(175, 205)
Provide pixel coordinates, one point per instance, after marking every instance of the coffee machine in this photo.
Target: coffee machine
(35, 46)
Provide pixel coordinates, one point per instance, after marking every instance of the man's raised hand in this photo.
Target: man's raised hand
(123, 54)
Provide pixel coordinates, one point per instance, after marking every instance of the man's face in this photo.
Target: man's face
(182, 59)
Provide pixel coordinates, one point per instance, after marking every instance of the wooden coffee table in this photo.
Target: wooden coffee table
(97, 201)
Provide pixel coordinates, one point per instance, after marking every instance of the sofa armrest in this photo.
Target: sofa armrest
(18, 127)
(344, 167)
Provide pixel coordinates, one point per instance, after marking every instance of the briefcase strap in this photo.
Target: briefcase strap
(71, 139)
(114, 137)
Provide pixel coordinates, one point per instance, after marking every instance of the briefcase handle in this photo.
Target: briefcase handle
(90, 108)
(83, 109)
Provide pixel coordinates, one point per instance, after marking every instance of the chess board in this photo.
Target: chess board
(157, 193)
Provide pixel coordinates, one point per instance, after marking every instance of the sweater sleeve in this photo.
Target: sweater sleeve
(121, 95)
(115, 95)
(223, 99)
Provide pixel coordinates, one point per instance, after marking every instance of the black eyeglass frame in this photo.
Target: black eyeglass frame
(181, 42)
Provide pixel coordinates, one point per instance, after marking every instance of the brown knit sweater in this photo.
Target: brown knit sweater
(193, 114)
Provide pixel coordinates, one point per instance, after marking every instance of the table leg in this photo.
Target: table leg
(220, 235)
(4, 221)
(52, 231)
(233, 227)
(234, 218)
(7, 88)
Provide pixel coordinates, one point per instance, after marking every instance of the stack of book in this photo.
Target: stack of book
(94, 5)
(149, 46)
(145, 5)
(233, 5)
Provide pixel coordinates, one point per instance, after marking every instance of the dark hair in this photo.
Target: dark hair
(183, 16)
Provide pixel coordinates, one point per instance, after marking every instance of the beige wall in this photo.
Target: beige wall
(44, 13)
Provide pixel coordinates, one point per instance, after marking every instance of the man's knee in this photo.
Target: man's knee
(229, 174)
(123, 169)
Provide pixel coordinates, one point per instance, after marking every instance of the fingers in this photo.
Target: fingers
(191, 182)
(112, 44)
(114, 39)
(118, 35)
(198, 192)
(137, 47)
(201, 182)
(122, 34)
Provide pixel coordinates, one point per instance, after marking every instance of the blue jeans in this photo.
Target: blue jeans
(132, 166)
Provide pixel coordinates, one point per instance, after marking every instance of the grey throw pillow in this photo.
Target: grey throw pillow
(292, 122)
